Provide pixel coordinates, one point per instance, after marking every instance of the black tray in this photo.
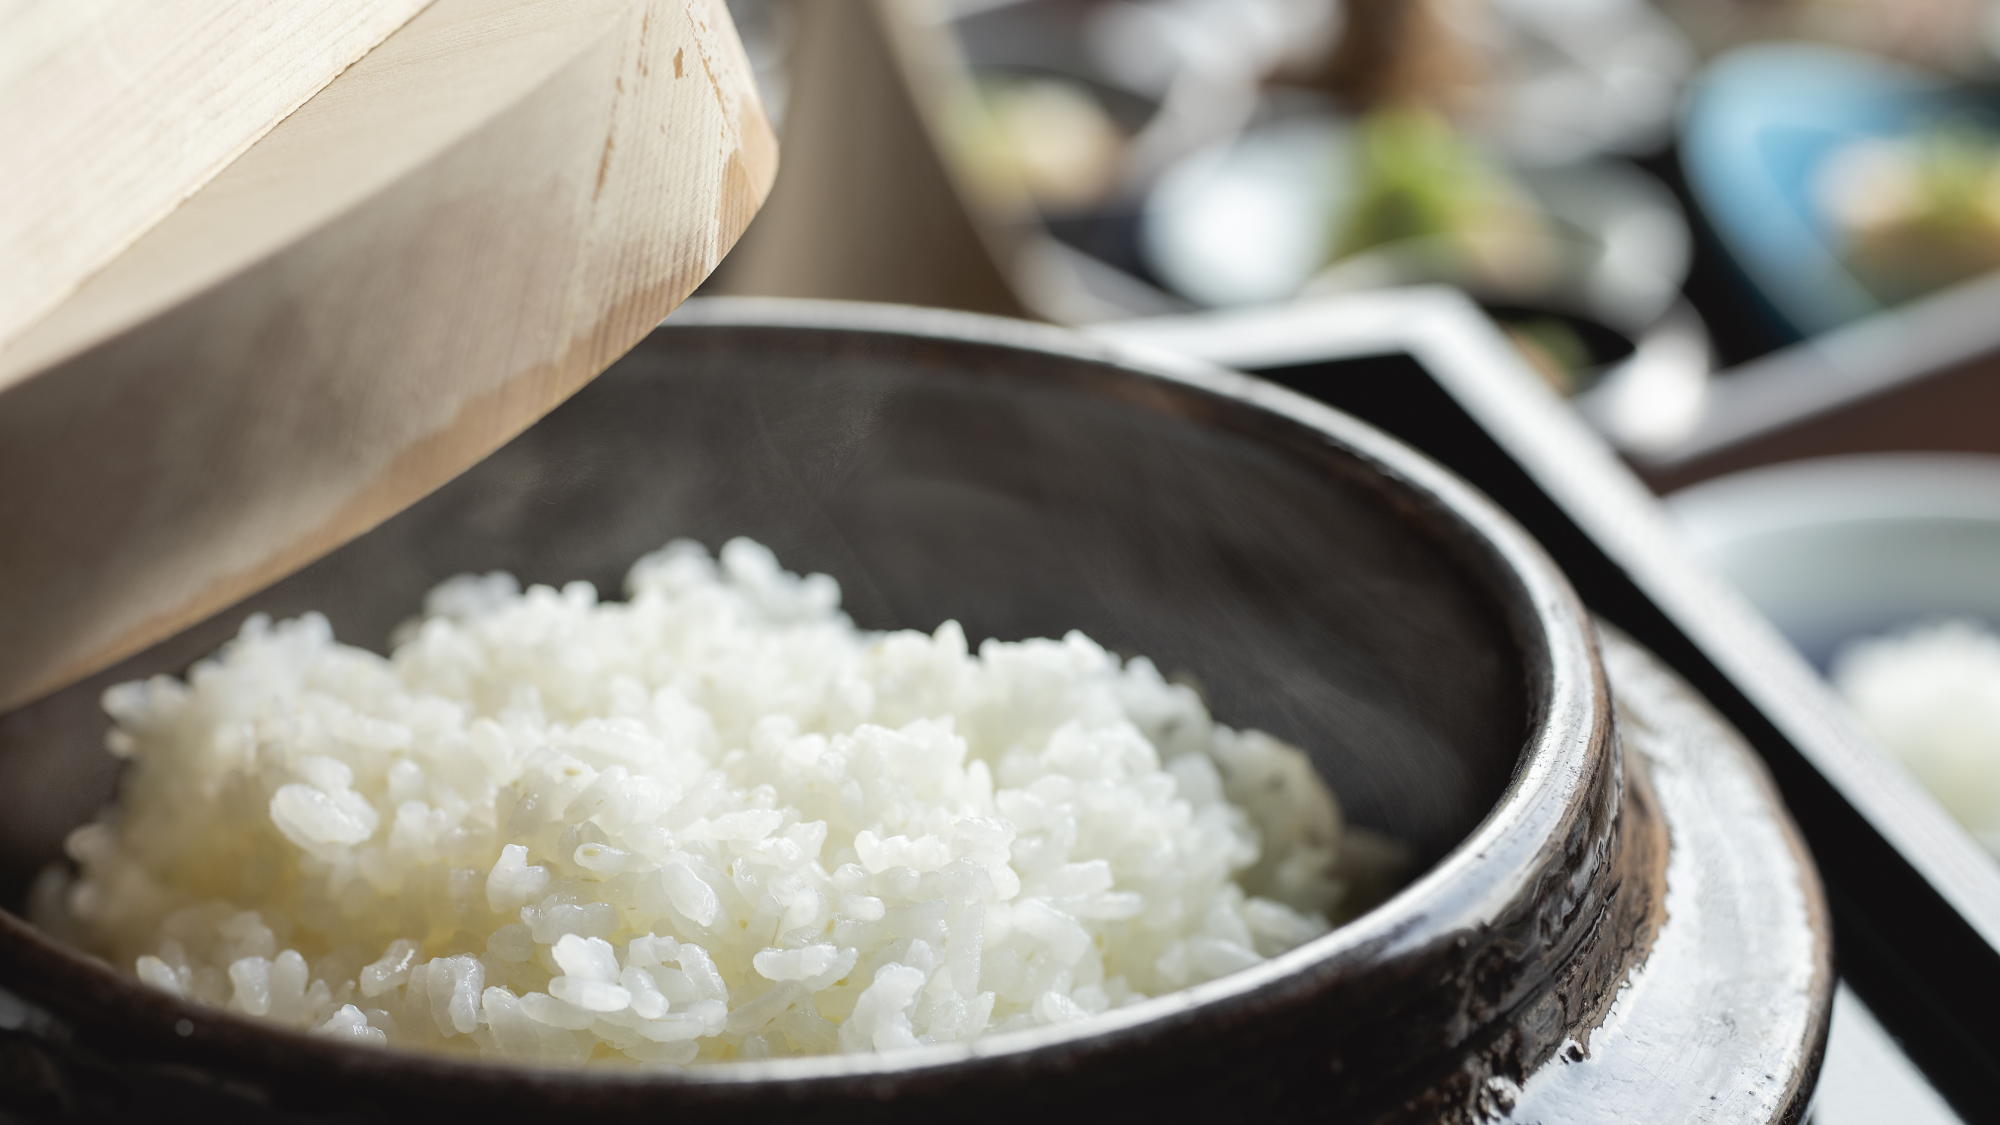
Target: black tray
(1916, 903)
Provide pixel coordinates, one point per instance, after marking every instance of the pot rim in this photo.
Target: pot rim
(1566, 746)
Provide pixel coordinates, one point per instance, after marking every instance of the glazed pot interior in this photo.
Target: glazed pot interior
(1021, 493)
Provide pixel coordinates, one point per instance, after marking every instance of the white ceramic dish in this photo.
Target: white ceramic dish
(1838, 547)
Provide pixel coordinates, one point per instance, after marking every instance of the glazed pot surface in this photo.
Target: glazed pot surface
(1316, 579)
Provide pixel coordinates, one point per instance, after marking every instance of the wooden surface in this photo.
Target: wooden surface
(911, 230)
(113, 111)
(1920, 377)
(474, 219)
(914, 227)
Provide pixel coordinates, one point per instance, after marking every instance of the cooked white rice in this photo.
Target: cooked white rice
(714, 821)
(1931, 694)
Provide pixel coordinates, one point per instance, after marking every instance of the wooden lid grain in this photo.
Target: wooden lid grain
(474, 219)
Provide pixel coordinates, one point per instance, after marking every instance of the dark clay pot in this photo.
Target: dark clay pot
(1613, 921)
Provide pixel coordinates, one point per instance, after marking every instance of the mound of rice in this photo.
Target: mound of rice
(1931, 694)
(714, 821)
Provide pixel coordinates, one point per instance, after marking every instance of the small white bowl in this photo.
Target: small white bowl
(1835, 548)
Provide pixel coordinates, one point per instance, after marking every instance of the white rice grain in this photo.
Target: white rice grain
(713, 821)
(1931, 693)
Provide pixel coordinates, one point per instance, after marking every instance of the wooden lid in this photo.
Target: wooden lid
(479, 215)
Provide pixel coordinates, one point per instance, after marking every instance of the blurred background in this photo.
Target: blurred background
(1647, 194)
(1754, 243)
